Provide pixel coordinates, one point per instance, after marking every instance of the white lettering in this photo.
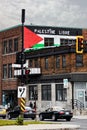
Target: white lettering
(44, 31)
(62, 32)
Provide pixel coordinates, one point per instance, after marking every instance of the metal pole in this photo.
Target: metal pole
(22, 59)
(72, 95)
(22, 53)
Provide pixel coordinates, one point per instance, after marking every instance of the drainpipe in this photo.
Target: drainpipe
(72, 95)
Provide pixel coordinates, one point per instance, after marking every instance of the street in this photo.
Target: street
(75, 121)
(81, 122)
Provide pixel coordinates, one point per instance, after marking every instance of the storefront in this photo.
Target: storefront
(9, 98)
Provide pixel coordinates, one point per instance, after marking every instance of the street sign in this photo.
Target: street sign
(17, 72)
(19, 65)
(21, 91)
(16, 65)
(65, 83)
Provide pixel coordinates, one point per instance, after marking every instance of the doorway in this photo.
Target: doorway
(10, 98)
(80, 96)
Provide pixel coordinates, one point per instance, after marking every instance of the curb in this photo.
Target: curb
(42, 127)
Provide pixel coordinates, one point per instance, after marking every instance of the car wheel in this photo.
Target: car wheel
(33, 118)
(41, 117)
(68, 119)
(4, 117)
(54, 117)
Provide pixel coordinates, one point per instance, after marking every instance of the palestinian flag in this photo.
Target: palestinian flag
(30, 38)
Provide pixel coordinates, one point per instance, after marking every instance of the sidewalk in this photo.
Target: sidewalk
(80, 116)
(42, 127)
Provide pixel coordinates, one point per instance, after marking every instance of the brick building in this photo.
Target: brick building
(52, 62)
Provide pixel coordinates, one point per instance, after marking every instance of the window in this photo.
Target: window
(64, 42)
(61, 93)
(46, 63)
(30, 63)
(46, 92)
(10, 46)
(9, 70)
(57, 61)
(79, 60)
(48, 41)
(36, 62)
(33, 93)
(4, 71)
(5, 47)
(15, 44)
(63, 61)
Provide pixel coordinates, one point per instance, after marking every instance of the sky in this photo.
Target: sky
(59, 13)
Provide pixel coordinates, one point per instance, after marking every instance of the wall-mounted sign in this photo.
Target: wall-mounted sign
(48, 30)
(65, 83)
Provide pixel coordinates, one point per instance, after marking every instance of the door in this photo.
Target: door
(80, 96)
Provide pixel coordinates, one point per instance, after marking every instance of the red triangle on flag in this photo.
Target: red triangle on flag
(30, 38)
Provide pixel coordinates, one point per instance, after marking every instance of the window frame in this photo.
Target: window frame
(5, 71)
(57, 61)
(30, 63)
(61, 93)
(9, 70)
(48, 41)
(46, 63)
(5, 47)
(36, 62)
(64, 41)
(10, 45)
(15, 44)
(32, 94)
(46, 92)
(63, 61)
(79, 60)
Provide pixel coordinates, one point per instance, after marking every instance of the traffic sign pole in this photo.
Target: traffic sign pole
(22, 104)
(22, 56)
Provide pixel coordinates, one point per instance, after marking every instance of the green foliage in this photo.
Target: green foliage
(15, 122)
(19, 120)
(7, 122)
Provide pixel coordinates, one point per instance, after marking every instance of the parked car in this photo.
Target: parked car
(2, 111)
(27, 113)
(55, 113)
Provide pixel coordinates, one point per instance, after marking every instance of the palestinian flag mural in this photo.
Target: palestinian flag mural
(37, 37)
(33, 40)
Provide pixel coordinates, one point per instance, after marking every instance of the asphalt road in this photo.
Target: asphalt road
(81, 122)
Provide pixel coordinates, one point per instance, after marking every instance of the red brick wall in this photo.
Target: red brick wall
(8, 84)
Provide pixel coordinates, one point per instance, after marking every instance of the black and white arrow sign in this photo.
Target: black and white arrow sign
(22, 92)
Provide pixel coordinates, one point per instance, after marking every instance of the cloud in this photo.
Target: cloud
(64, 13)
